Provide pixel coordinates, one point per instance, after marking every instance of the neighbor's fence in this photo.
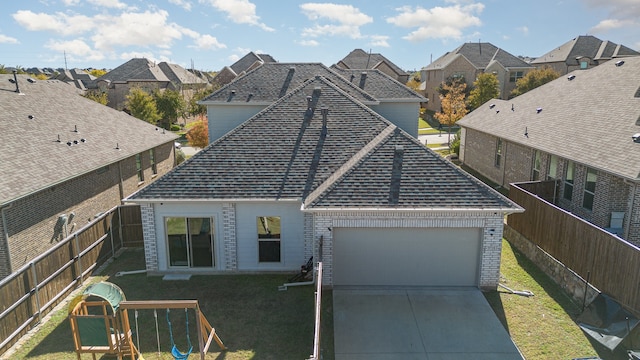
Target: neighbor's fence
(610, 263)
(317, 329)
(34, 290)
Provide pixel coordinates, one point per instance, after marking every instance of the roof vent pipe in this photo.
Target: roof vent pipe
(15, 78)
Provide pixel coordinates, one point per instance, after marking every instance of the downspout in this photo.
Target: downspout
(6, 235)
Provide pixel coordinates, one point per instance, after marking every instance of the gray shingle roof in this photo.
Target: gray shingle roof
(589, 119)
(379, 84)
(341, 159)
(246, 62)
(31, 159)
(360, 59)
(179, 75)
(270, 81)
(479, 55)
(135, 69)
(584, 45)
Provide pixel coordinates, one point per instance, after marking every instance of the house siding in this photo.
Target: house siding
(402, 114)
(38, 221)
(492, 227)
(224, 118)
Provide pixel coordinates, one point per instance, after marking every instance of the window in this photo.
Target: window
(190, 241)
(568, 181)
(537, 160)
(589, 189)
(498, 152)
(552, 172)
(268, 238)
(139, 168)
(584, 64)
(515, 75)
(152, 161)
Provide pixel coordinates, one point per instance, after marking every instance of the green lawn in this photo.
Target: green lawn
(256, 321)
(252, 317)
(542, 326)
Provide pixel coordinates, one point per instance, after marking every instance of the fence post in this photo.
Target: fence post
(120, 227)
(78, 259)
(113, 249)
(37, 292)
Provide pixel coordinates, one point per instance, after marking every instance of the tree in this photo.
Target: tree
(198, 134)
(99, 97)
(485, 88)
(533, 79)
(453, 105)
(3, 70)
(450, 81)
(170, 105)
(97, 72)
(142, 105)
(195, 109)
(414, 81)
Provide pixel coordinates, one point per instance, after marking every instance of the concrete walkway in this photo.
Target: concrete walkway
(433, 324)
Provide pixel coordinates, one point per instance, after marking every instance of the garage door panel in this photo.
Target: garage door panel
(406, 256)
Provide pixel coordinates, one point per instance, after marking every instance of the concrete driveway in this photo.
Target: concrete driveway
(433, 324)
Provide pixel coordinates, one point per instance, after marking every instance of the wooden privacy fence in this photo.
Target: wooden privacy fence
(35, 289)
(610, 263)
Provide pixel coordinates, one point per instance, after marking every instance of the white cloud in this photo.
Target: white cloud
(70, 2)
(610, 24)
(345, 20)
(115, 4)
(135, 29)
(309, 43)
(207, 42)
(240, 12)
(233, 58)
(379, 41)
(75, 50)
(618, 8)
(59, 22)
(182, 3)
(4, 39)
(438, 22)
(523, 29)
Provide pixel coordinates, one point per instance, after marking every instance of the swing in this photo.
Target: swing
(174, 349)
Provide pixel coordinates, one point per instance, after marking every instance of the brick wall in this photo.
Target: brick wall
(38, 221)
(515, 165)
(612, 193)
(230, 238)
(149, 234)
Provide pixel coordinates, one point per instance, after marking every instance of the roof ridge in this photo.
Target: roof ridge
(356, 159)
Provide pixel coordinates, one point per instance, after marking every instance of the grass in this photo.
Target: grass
(256, 321)
(542, 326)
(252, 317)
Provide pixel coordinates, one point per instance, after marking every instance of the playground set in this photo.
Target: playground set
(103, 326)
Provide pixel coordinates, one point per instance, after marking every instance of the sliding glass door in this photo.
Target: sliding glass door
(190, 242)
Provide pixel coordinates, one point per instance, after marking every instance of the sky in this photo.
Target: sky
(210, 34)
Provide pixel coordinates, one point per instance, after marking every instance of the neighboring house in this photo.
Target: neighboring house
(149, 76)
(78, 77)
(65, 159)
(317, 173)
(358, 59)
(239, 100)
(468, 61)
(582, 52)
(240, 67)
(578, 129)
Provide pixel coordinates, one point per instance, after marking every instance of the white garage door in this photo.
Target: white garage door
(406, 256)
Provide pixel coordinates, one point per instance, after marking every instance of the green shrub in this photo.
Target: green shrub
(455, 144)
(175, 127)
